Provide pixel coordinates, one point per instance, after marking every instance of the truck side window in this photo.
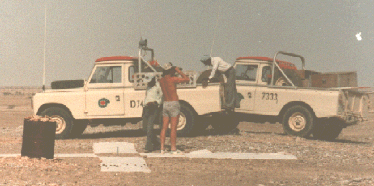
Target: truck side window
(131, 74)
(107, 74)
(246, 72)
(266, 74)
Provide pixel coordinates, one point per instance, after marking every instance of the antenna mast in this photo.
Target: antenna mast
(45, 42)
(215, 28)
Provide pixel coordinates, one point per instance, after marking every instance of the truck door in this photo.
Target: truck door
(246, 81)
(105, 91)
(266, 96)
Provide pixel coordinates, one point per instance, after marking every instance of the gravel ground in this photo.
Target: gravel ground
(346, 161)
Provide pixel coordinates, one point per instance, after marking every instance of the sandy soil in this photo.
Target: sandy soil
(346, 161)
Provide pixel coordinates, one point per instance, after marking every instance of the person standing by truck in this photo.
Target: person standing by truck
(229, 71)
(171, 106)
(152, 102)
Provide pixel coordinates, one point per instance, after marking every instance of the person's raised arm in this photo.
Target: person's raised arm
(184, 77)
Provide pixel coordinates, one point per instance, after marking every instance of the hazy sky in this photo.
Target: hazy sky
(80, 31)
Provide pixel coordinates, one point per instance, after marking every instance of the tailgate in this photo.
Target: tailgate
(354, 104)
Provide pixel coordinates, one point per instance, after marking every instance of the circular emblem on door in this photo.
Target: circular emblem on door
(103, 102)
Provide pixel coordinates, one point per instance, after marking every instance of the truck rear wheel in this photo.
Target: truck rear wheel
(64, 121)
(327, 129)
(298, 121)
(187, 120)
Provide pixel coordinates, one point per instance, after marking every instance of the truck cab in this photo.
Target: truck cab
(114, 94)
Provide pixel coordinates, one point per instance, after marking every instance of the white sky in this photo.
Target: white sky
(80, 31)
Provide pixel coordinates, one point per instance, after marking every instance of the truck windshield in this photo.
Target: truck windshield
(107, 74)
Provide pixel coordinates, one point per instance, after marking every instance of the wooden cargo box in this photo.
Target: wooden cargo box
(335, 79)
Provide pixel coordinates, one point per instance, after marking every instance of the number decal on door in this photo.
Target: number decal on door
(270, 96)
(136, 103)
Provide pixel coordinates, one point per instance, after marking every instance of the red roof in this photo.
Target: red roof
(116, 58)
(256, 58)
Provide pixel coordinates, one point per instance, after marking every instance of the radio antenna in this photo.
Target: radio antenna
(215, 31)
(45, 42)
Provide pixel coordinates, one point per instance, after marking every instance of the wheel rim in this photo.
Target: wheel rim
(282, 82)
(297, 121)
(60, 124)
(181, 123)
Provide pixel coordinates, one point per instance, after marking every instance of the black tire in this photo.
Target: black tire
(78, 128)
(327, 129)
(298, 121)
(64, 121)
(280, 80)
(218, 77)
(187, 120)
(224, 123)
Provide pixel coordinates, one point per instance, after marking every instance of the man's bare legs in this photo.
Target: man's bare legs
(173, 132)
(165, 126)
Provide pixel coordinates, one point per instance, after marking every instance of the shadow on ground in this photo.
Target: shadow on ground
(114, 134)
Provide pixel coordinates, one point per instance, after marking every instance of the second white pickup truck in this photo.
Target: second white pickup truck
(114, 94)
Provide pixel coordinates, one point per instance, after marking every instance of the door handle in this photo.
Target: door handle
(118, 98)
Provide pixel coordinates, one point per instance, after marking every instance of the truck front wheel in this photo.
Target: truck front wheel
(298, 121)
(64, 121)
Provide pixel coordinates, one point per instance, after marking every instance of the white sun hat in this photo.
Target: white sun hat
(167, 66)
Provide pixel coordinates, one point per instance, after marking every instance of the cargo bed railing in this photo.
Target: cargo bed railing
(276, 65)
(139, 83)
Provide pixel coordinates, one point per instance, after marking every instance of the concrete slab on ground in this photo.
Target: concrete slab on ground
(113, 147)
(223, 155)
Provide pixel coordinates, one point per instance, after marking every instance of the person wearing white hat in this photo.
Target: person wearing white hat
(229, 71)
(152, 102)
(171, 106)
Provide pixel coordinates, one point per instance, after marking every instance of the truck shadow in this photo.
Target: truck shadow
(340, 141)
(129, 133)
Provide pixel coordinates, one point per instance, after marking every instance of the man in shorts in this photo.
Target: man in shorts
(171, 107)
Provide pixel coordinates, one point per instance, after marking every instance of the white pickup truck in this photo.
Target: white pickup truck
(114, 94)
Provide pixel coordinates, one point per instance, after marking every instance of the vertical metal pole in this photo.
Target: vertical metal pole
(45, 42)
(140, 60)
